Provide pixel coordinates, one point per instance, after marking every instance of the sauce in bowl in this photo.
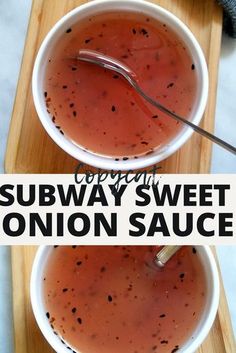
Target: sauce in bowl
(96, 108)
(103, 299)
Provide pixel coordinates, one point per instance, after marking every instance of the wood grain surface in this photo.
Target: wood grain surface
(28, 338)
(31, 150)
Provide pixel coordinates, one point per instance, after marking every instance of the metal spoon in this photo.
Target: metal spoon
(113, 64)
(165, 254)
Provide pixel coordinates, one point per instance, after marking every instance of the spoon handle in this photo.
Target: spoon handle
(196, 128)
(113, 64)
(165, 254)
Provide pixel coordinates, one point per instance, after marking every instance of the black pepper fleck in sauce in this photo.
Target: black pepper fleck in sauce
(170, 85)
(164, 342)
(144, 32)
(109, 298)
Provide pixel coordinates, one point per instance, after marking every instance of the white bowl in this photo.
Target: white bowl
(190, 346)
(93, 8)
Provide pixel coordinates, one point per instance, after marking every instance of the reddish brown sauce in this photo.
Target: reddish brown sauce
(97, 109)
(114, 299)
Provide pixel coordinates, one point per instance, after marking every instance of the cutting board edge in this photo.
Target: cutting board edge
(15, 127)
(213, 71)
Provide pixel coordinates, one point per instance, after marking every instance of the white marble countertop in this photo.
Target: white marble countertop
(14, 16)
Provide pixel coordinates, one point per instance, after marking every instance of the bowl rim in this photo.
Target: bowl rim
(106, 162)
(204, 325)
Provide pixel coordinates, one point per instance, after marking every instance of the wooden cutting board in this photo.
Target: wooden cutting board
(30, 150)
(28, 338)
